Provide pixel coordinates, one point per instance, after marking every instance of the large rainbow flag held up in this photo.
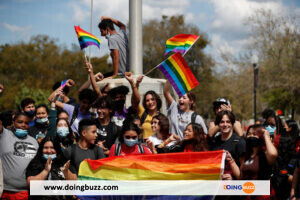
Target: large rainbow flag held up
(85, 38)
(180, 43)
(179, 74)
(172, 166)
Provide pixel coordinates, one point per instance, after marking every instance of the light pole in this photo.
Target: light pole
(254, 61)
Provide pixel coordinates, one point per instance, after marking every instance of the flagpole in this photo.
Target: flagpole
(91, 20)
(156, 66)
(190, 46)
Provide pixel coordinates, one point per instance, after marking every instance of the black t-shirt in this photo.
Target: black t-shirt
(77, 155)
(236, 145)
(109, 133)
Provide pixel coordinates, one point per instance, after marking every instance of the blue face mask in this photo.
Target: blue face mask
(271, 129)
(130, 143)
(21, 133)
(52, 156)
(62, 131)
(42, 120)
(59, 99)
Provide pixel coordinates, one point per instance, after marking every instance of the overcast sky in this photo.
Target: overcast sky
(222, 20)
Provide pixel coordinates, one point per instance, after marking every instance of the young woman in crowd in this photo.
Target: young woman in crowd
(48, 164)
(182, 113)
(162, 136)
(150, 107)
(292, 129)
(194, 140)
(128, 141)
(259, 157)
(44, 123)
(64, 133)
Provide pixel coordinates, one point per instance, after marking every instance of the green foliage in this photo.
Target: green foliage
(38, 95)
(38, 64)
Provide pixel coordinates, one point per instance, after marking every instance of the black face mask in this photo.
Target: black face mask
(30, 114)
(253, 141)
(119, 104)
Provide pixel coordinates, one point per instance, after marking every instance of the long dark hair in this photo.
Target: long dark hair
(156, 97)
(128, 126)
(256, 128)
(163, 122)
(294, 133)
(199, 141)
(38, 161)
(69, 139)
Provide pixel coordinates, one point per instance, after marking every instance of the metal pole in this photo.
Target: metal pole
(255, 71)
(91, 29)
(135, 36)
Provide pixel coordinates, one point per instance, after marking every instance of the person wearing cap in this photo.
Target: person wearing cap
(219, 105)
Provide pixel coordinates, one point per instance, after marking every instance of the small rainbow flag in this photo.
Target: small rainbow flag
(180, 43)
(85, 38)
(63, 84)
(171, 166)
(179, 74)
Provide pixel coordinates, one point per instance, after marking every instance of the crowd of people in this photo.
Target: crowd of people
(44, 142)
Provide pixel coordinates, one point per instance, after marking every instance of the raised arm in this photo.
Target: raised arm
(167, 93)
(89, 68)
(53, 98)
(116, 22)
(136, 97)
(271, 152)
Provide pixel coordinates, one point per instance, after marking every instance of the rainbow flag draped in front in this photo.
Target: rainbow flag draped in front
(85, 38)
(180, 43)
(207, 165)
(172, 166)
(179, 74)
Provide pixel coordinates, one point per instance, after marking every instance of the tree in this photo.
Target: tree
(155, 35)
(35, 66)
(277, 41)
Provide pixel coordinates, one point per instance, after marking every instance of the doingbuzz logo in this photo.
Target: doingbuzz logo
(247, 187)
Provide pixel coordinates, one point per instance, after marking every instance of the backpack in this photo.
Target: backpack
(118, 149)
(193, 117)
(75, 114)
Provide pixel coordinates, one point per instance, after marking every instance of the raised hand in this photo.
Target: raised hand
(99, 76)
(88, 67)
(48, 165)
(139, 79)
(129, 77)
(70, 83)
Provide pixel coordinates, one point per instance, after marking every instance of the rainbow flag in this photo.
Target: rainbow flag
(179, 74)
(85, 38)
(180, 43)
(63, 84)
(172, 166)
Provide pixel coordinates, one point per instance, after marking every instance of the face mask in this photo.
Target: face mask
(42, 120)
(130, 143)
(30, 114)
(52, 156)
(119, 104)
(63, 131)
(59, 99)
(253, 141)
(21, 133)
(271, 129)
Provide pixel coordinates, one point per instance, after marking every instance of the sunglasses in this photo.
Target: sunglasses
(128, 137)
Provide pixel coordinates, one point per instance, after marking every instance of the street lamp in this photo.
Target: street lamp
(254, 61)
